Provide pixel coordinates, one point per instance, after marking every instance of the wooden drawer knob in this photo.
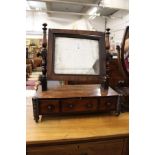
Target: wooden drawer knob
(70, 106)
(108, 104)
(89, 105)
(50, 107)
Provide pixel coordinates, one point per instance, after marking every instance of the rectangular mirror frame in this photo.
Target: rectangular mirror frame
(92, 35)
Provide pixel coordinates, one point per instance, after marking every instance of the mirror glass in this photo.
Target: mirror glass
(76, 56)
(126, 54)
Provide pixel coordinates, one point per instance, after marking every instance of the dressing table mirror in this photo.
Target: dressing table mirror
(75, 55)
(123, 56)
(123, 60)
(125, 53)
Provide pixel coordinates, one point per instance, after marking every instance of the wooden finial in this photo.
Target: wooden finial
(44, 43)
(107, 42)
(43, 78)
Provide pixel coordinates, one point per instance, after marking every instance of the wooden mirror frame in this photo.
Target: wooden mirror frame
(121, 60)
(81, 34)
(126, 36)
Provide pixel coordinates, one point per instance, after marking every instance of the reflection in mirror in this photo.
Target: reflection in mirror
(126, 54)
(76, 56)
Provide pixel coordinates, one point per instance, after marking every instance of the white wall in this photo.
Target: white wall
(34, 21)
(98, 23)
(117, 26)
(119, 4)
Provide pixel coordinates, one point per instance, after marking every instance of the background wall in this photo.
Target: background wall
(34, 21)
(120, 4)
(117, 23)
(117, 26)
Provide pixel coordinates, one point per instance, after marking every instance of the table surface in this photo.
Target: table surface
(77, 127)
(73, 91)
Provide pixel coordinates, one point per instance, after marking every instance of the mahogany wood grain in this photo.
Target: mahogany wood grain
(49, 106)
(78, 105)
(108, 103)
(108, 147)
(114, 73)
(124, 47)
(75, 99)
(69, 91)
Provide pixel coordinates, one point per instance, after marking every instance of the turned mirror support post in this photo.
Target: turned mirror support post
(108, 55)
(107, 45)
(105, 79)
(105, 83)
(43, 78)
(107, 42)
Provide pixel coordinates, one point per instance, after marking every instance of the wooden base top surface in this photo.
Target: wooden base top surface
(73, 91)
(73, 128)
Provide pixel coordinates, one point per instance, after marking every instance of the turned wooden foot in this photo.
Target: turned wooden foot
(35, 109)
(118, 109)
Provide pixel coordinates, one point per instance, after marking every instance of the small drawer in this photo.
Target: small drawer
(79, 105)
(48, 106)
(108, 103)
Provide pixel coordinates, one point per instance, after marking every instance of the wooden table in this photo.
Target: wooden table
(78, 135)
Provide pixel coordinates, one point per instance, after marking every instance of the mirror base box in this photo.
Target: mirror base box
(75, 99)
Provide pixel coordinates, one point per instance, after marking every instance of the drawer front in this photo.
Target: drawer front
(108, 103)
(53, 150)
(48, 106)
(113, 147)
(108, 147)
(79, 105)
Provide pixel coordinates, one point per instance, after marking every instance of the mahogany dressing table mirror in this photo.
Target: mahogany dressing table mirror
(74, 55)
(123, 59)
(124, 55)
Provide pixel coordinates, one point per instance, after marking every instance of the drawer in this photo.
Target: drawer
(108, 103)
(111, 147)
(53, 150)
(107, 147)
(48, 106)
(79, 105)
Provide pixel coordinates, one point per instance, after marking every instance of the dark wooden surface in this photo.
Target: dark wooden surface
(125, 37)
(43, 77)
(114, 73)
(74, 99)
(123, 85)
(73, 91)
(107, 147)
